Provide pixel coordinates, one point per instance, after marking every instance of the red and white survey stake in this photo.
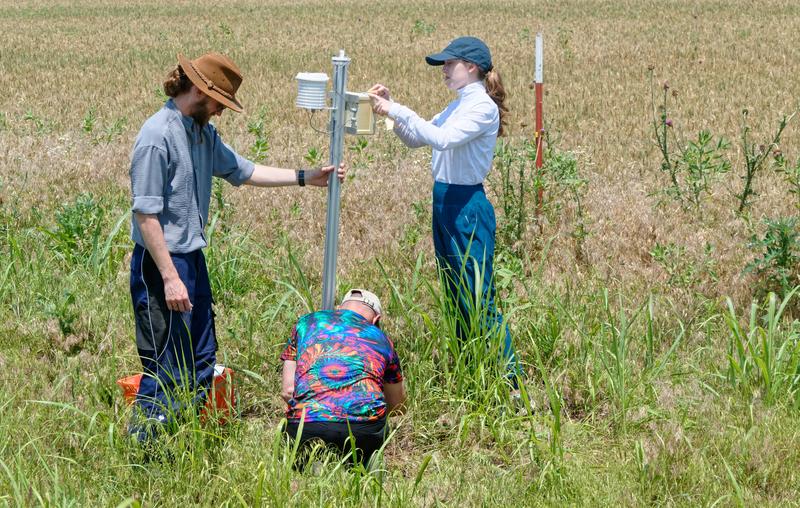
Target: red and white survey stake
(538, 85)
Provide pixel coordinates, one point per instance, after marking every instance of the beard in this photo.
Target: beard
(201, 113)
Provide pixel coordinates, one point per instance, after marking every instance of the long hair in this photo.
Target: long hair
(495, 89)
(176, 83)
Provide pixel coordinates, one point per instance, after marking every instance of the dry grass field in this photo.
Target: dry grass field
(655, 381)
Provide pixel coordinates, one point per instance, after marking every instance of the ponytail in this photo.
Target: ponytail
(495, 89)
(176, 83)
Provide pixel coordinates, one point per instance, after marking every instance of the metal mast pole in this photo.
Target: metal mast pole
(340, 64)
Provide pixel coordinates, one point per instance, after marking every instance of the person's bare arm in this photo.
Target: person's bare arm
(395, 396)
(268, 176)
(287, 380)
(174, 290)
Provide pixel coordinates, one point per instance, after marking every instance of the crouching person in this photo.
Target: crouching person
(342, 377)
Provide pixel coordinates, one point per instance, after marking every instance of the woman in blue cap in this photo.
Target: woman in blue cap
(462, 138)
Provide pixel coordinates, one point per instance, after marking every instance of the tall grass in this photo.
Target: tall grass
(764, 354)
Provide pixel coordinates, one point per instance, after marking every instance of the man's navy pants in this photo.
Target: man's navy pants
(177, 349)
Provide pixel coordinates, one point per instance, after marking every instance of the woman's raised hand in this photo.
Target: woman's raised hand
(381, 91)
(380, 98)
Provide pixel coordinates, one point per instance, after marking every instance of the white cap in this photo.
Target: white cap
(366, 297)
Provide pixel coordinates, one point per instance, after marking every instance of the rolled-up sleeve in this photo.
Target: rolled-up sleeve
(230, 165)
(149, 166)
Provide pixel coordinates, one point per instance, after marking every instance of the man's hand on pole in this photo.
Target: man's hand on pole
(319, 177)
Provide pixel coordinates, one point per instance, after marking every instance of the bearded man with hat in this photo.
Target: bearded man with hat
(176, 153)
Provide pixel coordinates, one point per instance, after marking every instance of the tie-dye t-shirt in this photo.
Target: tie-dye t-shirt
(342, 363)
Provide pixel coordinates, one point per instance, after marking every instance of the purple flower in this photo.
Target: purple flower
(668, 122)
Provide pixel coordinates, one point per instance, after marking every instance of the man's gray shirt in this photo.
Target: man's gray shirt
(172, 163)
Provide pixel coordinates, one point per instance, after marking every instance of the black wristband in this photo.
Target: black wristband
(301, 178)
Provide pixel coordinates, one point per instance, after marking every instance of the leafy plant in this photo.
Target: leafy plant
(89, 120)
(361, 157)
(754, 157)
(778, 254)
(510, 163)
(76, 224)
(160, 94)
(564, 36)
(422, 28)
(681, 270)
(112, 131)
(63, 310)
(791, 175)
(561, 167)
(692, 166)
(516, 182)
(413, 231)
(79, 236)
(39, 124)
(256, 127)
(314, 157)
(225, 29)
(701, 161)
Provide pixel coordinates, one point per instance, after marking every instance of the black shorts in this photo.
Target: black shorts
(369, 437)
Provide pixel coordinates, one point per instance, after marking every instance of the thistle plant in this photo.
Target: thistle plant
(791, 175)
(777, 259)
(755, 157)
(510, 164)
(692, 166)
(565, 179)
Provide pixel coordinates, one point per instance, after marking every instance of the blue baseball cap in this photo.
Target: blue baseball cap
(470, 49)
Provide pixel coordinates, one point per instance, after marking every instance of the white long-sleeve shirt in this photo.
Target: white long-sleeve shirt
(462, 136)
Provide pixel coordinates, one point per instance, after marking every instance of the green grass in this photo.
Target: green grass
(632, 405)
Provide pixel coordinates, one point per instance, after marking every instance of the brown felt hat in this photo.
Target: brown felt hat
(216, 76)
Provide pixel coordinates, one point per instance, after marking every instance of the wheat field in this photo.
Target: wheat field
(659, 372)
